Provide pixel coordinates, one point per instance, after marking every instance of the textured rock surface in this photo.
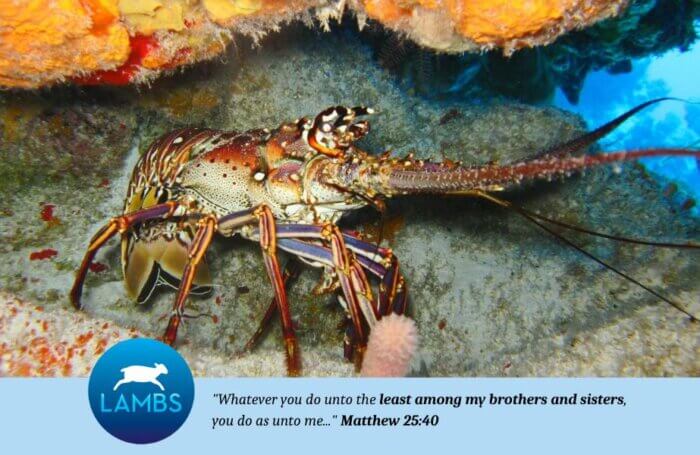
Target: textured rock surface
(491, 295)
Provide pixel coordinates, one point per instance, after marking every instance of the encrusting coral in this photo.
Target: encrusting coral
(35, 341)
(43, 41)
(132, 41)
(467, 25)
(52, 342)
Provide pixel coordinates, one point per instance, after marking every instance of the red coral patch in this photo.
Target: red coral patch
(43, 254)
(47, 212)
(97, 267)
(140, 47)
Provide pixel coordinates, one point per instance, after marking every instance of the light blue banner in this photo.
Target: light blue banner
(658, 416)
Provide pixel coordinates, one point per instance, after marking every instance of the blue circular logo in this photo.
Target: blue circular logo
(141, 391)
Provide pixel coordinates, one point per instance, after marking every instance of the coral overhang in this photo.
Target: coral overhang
(132, 41)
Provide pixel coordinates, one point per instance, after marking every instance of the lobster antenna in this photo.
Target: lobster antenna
(289, 275)
(197, 315)
(516, 209)
(618, 238)
(588, 139)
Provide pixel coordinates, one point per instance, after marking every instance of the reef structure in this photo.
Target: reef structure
(468, 25)
(132, 41)
(57, 342)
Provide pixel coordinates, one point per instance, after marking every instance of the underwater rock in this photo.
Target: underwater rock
(57, 139)
(126, 41)
(490, 294)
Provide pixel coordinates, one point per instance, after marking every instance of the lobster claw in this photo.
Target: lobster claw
(334, 129)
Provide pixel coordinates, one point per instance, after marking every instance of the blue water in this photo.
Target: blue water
(669, 124)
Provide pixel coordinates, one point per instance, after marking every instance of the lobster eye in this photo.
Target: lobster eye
(335, 129)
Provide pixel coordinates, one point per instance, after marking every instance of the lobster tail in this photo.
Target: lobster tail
(370, 175)
(413, 177)
(556, 162)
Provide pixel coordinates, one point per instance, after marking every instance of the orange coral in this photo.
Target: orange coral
(97, 41)
(474, 24)
(226, 11)
(498, 21)
(44, 41)
(393, 10)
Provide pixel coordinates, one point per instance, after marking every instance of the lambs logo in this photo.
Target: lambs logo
(141, 391)
(138, 373)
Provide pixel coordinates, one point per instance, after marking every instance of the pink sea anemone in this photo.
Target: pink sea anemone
(392, 344)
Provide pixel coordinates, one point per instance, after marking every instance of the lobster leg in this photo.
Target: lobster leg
(354, 243)
(268, 243)
(205, 233)
(290, 272)
(229, 223)
(116, 225)
(392, 286)
(392, 289)
(356, 290)
(323, 255)
(355, 341)
(350, 268)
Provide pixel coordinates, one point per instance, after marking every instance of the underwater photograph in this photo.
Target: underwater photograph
(423, 188)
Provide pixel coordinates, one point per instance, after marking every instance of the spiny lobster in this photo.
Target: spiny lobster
(286, 189)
